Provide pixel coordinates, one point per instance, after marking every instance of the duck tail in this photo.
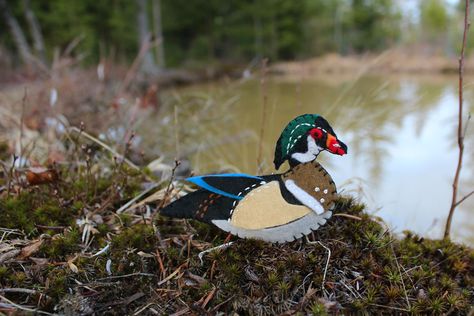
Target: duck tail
(201, 205)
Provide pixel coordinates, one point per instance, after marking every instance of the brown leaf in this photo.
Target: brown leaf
(40, 175)
(30, 249)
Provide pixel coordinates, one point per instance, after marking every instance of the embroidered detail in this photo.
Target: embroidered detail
(325, 191)
(203, 207)
(240, 193)
(317, 189)
(289, 145)
(304, 197)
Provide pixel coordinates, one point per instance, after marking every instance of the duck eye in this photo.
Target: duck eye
(316, 133)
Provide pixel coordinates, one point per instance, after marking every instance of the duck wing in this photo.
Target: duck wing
(217, 196)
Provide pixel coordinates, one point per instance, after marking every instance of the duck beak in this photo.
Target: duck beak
(335, 146)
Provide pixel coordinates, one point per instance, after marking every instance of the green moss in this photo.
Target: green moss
(61, 246)
(141, 237)
(318, 309)
(18, 278)
(251, 276)
(3, 274)
(31, 208)
(57, 282)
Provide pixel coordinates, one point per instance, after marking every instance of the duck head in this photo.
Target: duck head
(304, 138)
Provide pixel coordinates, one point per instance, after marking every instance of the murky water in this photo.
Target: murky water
(401, 134)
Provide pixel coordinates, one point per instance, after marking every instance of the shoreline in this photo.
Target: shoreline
(387, 63)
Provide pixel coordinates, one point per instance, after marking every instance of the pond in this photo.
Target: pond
(400, 131)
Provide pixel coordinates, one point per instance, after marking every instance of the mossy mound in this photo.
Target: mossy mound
(155, 268)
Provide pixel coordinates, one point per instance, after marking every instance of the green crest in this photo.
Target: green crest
(296, 129)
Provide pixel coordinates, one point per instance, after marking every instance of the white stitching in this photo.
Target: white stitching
(291, 133)
(247, 188)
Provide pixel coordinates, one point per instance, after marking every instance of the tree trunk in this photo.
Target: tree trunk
(38, 42)
(148, 65)
(160, 51)
(17, 33)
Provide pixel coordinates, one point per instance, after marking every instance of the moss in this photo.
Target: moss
(318, 309)
(18, 278)
(56, 283)
(251, 276)
(3, 274)
(16, 213)
(33, 208)
(61, 246)
(141, 237)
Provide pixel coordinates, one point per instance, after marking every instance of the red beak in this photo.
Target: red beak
(334, 146)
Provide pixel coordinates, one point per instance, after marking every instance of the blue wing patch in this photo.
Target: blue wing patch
(200, 181)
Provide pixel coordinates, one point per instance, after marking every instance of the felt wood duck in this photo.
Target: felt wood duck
(277, 207)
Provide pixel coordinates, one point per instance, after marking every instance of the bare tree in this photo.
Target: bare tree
(461, 131)
(160, 52)
(17, 33)
(38, 42)
(144, 35)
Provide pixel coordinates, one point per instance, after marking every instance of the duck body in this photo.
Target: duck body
(261, 207)
(277, 207)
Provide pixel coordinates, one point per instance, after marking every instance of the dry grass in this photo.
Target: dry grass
(390, 62)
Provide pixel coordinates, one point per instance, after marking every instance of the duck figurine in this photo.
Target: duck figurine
(278, 207)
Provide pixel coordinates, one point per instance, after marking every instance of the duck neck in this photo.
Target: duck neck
(294, 162)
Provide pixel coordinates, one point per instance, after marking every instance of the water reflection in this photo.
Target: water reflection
(401, 134)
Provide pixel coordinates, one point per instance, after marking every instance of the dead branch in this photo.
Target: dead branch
(454, 202)
(464, 198)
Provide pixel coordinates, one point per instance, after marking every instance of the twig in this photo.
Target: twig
(22, 290)
(169, 277)
(168, 190)
(176, 132)
(357, 218)
(22, 121)
(129, 203)
(24, 308)
(264, 114)
(133, 70)
(126, 276)
(454, 202)
(105, 146)
(401, 276)
(464, 198)
(327, 264)
(327, 261)
(223, 246)
(391, 307)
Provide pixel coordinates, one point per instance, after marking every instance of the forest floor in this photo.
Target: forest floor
(81, 231)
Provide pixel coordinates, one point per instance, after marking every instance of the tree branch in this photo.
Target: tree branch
(464, 198)
(454, 202)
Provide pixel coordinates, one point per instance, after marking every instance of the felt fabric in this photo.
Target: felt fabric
(290, 135)
(265, 207)
(314, 180)
(294, 134)
(279, 207)
(304, 197)
(205, 205)
(229, 185)
(281, 234)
